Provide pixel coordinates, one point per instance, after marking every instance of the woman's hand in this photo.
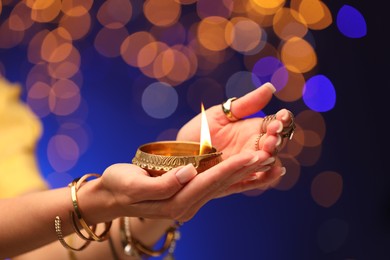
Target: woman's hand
(234, 136)
(181, 192)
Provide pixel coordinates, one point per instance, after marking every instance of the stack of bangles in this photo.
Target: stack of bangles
(131, 246)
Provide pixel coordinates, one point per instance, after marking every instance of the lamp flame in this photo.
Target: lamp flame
(205, 138)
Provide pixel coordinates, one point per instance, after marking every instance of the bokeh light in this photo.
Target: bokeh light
(37, 99)
(351, 22)
(327, 188)
(211, 33)
(316, 14)
(115, 14)
(319, 93)
(76, 8)
(62, 152)
(243, 35)
(298, 55)
(111, 48)
(240, 83)
(77, 26)
(64, 97)
(289, 23)
(221, 8)
(132, 46)
(265, 68)
(20, 18)
(162, 12)
(159, 100)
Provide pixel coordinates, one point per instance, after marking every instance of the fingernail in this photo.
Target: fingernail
(252, 161)
(268, 161)
(263, 169)
(279, 141)
(280, 129)
(283, 171)
(251, 177)
(270, 86)
(186, 173)
(285, 115)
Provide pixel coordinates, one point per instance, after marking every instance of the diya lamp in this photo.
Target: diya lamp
(159, 157)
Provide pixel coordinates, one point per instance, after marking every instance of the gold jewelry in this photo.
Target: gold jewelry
(226, 108)
(126, 238)
(287, 131)
(135, 248)
(72, 186)
(257, 148)
(75, 185)
(58, 229)
(265, 122)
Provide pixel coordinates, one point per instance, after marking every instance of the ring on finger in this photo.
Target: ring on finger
(257, 142)
(227, 109)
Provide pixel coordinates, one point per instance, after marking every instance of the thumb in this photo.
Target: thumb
(253, 101)
(182, 175)
(168, 184)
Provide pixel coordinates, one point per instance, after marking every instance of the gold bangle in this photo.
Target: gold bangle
(72, 218)
(75, 185)
(58, 229)
(129, 243)
(126, 240)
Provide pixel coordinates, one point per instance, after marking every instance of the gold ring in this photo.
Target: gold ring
(265, 122)
(226, 108)
(287, 131)
(257, 142)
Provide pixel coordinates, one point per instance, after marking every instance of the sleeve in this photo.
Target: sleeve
(20, 131)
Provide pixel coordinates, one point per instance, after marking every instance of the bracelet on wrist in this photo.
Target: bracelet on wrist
(135, 248)
(77, 219)
(58, 229)
(77, 212)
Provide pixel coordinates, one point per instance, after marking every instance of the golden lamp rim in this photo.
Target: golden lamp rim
(158, 162)
(213, 149)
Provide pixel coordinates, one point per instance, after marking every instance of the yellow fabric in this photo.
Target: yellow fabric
(20, 130)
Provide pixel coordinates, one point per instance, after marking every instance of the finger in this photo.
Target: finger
(253, 102)
(274, 127)
(132, 184)
(159, 204)
(271, 142)
(202, 188)
(209, 184)
(168, 184)
(259, 180)
(271, 139)
(285, 116)
(282, 125)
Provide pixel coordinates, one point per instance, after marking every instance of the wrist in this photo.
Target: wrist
(77, 218)
(136, 242)
(96, 203)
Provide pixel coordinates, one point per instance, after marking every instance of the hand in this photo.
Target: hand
(181, 192)
(233, 137)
